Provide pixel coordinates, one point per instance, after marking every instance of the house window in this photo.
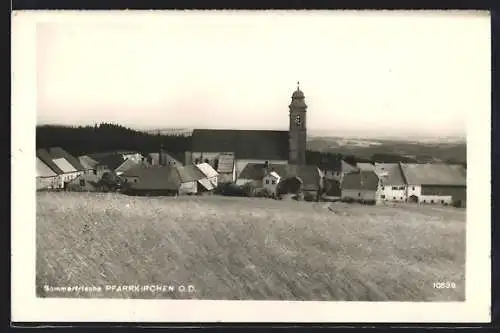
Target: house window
(442, 201)
(401, 198)
(273, 182)
(383, 196)
(382, 187)
(267, 181)
(82, 182)
(413, 188)
(359, 194)
(432, 201)
(393, 198)
(95, 171)
(135, 180)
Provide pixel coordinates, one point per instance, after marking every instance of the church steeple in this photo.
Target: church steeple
(297, 129)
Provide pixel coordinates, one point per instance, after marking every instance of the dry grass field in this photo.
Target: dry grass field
(242, 248)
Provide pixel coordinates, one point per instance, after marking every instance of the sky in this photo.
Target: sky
(377, 73)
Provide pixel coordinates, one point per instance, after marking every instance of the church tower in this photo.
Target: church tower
(297, 130)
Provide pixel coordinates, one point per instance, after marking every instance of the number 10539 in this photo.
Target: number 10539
(444, 285)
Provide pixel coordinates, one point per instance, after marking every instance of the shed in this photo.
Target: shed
(360, 186)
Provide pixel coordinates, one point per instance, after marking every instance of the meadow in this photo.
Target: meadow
(248, 248)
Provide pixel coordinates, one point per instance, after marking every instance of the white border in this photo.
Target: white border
(26, 307)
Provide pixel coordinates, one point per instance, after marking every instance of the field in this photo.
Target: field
(242, 248)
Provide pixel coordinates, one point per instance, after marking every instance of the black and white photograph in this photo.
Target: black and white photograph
(251, 165)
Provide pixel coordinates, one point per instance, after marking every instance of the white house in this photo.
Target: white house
(270, 181)
(392, 185)
(209, 172)
(46, 178)
(62, 163)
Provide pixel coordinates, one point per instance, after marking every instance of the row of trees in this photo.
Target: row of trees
(79, 140)
(104, 137)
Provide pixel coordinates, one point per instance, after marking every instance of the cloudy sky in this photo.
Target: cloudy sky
(398, 73)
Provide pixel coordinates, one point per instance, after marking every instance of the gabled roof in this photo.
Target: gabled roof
(245, 144)
(64, 165)
(88, 162)
(273, 174)
(362, 180)
(45, 157)
(346, 167)
(153, 178)
(43, 170)
(365, 166)
(434, 174)
(58, 152)
(189, 173)
(207, 170)
(389, 173)
(126, 165)
(206, 184)
(333, 164)
(254, 171)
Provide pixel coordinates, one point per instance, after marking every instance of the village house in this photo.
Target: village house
(436, 183)
(62, 163)
(165, 180)
(283, 178)
(332, 168)
(209, 173)
(46, 178)
(229, 151)
(114, 162)
(360, 186)
(392, 185)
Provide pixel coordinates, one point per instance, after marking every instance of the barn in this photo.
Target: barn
(46, 178)
(428, 183)
(165, 180)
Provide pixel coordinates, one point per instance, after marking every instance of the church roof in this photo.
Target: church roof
(245, 144)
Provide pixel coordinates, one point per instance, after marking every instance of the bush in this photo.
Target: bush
(310, 196)
(347, 200)
(263, 193)
(249, 189)
(229, 189)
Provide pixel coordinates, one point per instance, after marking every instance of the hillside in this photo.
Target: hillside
(240, 248)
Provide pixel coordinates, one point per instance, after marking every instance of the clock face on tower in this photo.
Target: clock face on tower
(298, 120)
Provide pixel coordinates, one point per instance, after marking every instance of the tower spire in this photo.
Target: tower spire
(298, 85)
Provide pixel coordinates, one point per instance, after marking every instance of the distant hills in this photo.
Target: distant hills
(80, 140)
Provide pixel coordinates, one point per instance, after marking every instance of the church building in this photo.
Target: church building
(229, 151)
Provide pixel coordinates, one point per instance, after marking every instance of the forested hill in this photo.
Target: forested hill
(104, 137)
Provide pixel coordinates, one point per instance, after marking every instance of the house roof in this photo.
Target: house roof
(189, 173)
(362, 180)
(45, 157)
(58, 152)
(207, 170)
(126, 165)
(389, 173)
(253, 171)
(346, 167)
(64, 165)
(245, 144)
(434, 174)
(88, 162)
(154, 178)
(43, 170)
(273, 174)
(206, 184)
(333, 164)
(365, 166)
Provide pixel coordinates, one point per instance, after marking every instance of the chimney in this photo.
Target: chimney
(266, 167)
